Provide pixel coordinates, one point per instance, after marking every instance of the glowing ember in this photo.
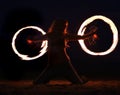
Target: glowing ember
(113, 28)
(43, 46)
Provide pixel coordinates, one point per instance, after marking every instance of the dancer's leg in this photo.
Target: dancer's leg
(44, 76)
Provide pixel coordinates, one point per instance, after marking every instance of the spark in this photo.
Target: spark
(112, 27)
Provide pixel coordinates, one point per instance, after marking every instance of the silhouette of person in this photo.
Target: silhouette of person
(59, 64)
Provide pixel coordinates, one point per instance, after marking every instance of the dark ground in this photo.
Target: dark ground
(92, 87)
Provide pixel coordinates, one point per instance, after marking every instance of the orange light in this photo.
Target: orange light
(29, 41)
(95, 36)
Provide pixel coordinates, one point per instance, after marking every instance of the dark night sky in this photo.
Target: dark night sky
(15, 14)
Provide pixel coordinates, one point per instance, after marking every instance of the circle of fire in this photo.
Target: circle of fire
(113, 28)
(43, 46)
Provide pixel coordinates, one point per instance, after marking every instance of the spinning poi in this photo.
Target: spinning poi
(112, 27)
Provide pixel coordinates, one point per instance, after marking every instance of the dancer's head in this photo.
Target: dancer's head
(59, 26)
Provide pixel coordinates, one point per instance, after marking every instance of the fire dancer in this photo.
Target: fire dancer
(59, 64)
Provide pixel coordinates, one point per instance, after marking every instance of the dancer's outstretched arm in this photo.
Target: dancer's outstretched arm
(41, 39)
(72, 37)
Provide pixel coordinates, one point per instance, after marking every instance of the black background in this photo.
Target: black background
(15, 14)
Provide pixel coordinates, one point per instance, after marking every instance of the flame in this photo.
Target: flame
(114, 31)
(43, 46)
